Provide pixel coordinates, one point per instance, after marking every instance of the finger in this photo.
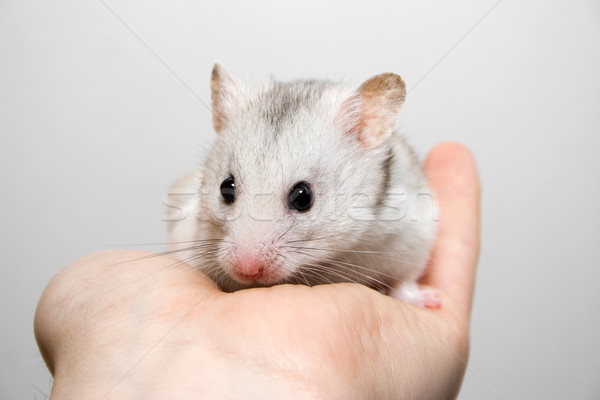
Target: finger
(453, 176)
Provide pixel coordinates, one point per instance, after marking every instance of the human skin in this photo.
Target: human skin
(130, 324)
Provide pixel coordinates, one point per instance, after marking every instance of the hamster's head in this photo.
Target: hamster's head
(296, 174)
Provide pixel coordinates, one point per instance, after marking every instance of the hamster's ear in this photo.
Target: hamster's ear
(372, 112)
(224, 94)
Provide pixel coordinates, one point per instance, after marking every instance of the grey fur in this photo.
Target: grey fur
(282, 101)
(386, 171)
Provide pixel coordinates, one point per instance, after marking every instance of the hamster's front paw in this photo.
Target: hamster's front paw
(411, 293)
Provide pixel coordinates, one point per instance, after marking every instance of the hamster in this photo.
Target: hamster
(307, 183)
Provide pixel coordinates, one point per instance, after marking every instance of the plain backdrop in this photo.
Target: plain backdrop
(102, 107)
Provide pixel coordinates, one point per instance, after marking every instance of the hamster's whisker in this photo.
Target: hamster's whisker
(169, 243)
(318, 271)
(349, 273)
(397, 256)
(314, 271)
(288, 229)
(197, 245)
(350, 265)
(303, 276)
(352, 272)
(358, 273)
(309, 240)
(372, 252)
(182, 265)
(284, 257)
(344, 264)
(208, 251)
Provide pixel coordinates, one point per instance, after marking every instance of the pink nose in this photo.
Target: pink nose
(250, 268)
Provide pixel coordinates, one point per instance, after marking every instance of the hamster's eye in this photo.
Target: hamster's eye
(301, 197)
(228, 190)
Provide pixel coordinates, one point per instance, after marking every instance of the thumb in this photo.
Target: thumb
(452, 173)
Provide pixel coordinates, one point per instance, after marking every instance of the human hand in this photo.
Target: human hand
(128, 324)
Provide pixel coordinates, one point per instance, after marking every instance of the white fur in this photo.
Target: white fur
(390, 245)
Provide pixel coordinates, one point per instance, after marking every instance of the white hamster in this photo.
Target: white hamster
(307, 183)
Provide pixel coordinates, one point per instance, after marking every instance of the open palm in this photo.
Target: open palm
(112, 328)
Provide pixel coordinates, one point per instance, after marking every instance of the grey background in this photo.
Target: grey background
(95, 127)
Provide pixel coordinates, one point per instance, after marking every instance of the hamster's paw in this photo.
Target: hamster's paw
(411, 293)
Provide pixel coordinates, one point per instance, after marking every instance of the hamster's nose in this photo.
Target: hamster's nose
(250, 268)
